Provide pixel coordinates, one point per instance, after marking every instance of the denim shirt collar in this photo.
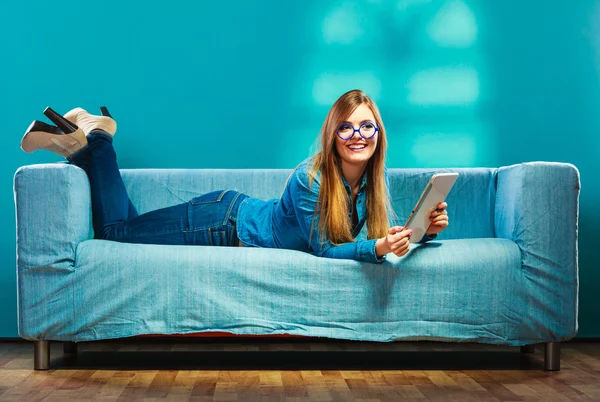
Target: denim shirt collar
(363, 183)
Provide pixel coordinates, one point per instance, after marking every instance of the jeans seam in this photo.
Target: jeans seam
(200, 229)
(221, 195)
(228, 213)
(244, 201)
(235, 217)
(219, 198)
(203, 202)
(133, 236)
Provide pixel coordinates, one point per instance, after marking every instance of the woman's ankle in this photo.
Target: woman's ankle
(79, 156)
(100, 135)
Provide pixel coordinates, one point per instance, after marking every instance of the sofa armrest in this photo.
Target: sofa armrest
(54, 213)
(537, 206)
(53, 210)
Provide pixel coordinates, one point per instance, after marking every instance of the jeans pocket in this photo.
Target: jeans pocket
(209, 198)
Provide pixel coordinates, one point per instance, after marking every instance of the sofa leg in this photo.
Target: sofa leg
(41, 355)
(552, 356)
(70, 349)
(527, 349)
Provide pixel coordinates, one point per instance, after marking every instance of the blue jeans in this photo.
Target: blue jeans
(209, 219)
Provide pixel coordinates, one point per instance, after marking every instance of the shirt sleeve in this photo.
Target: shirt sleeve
(305, 201)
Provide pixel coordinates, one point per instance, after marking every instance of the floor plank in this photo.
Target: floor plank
(167, 370)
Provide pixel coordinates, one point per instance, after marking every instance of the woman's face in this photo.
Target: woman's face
(357, 150)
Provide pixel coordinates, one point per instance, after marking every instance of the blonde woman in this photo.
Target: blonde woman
(335, 204)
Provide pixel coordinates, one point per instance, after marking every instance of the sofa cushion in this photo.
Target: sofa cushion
(468, 289)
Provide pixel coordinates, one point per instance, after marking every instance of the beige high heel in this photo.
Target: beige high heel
(88, 122)
(44, 136)
(61, 144)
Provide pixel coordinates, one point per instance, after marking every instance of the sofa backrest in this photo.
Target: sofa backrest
(471, 201)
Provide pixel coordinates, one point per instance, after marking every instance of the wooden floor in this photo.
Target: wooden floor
(284, 370)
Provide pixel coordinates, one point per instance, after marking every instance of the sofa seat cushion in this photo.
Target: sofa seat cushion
(469, 289)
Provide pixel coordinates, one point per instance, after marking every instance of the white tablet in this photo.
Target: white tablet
(435, 192)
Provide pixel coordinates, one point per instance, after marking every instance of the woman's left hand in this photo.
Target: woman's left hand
(439, 219)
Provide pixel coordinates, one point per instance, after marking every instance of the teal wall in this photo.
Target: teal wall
(205, 84)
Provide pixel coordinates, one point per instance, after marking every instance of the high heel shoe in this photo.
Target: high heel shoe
(44, 136)
(104, 111)
(37, 125)
(89, 122)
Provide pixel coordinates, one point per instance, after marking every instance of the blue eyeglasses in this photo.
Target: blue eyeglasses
(366, 130)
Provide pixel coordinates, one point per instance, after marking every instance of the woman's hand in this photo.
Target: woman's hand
(439, 219)
(397, 241)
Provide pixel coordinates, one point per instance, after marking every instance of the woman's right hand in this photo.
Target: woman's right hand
(397, 241)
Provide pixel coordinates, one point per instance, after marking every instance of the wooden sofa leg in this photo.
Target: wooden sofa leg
(527, 349)
(41, 355)
(552, 356)
(70, 349)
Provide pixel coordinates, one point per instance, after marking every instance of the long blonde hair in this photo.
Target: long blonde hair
(334, 203)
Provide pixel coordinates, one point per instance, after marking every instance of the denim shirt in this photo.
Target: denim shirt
(286, 222)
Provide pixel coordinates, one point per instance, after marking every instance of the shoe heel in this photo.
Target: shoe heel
(65, 125)
(105, 112)
(41, 126)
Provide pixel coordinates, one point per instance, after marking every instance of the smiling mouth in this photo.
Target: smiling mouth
(357, 148)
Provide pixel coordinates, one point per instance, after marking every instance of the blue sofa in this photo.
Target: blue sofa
(504, 272)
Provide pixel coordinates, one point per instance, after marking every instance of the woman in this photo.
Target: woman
(326, 202)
